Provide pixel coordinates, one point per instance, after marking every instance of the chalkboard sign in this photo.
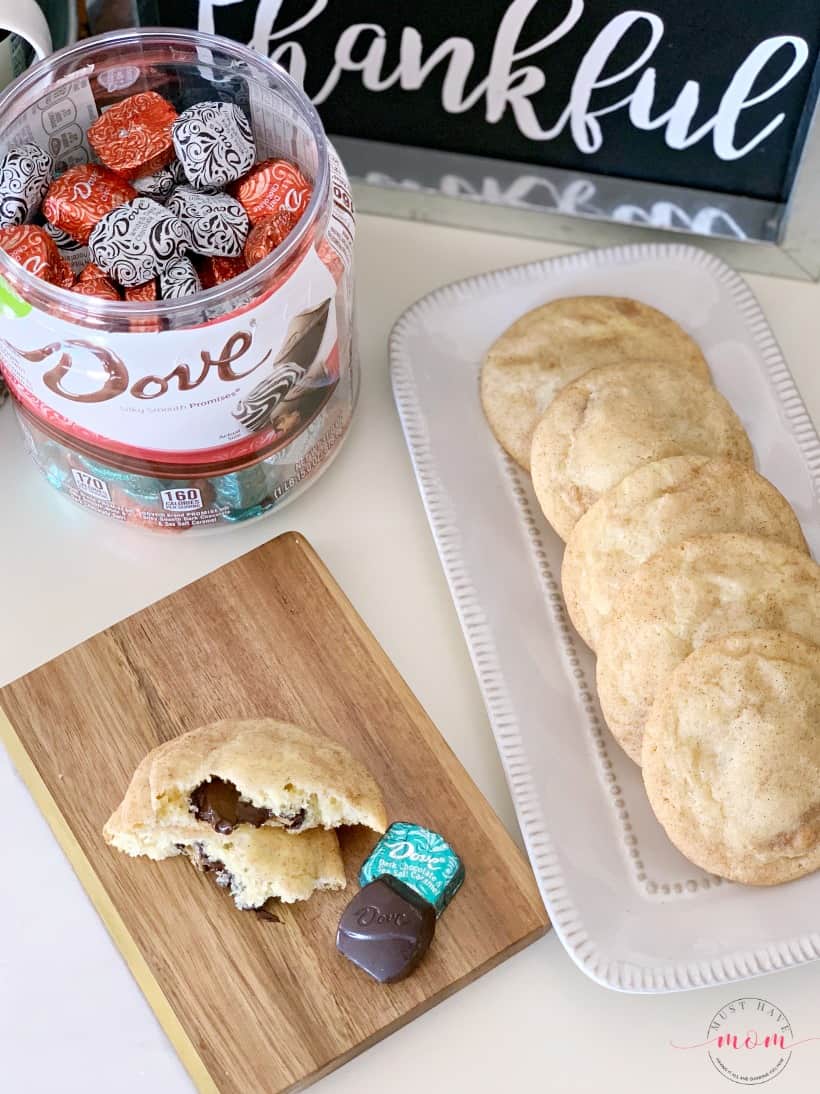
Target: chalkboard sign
(687, 115)
(700, 93)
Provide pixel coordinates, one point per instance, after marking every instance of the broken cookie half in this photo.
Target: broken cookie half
(262, 773)
(253, 803)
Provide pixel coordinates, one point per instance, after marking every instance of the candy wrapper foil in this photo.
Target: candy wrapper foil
(178, 278)
(75, 253)
(214, 270)
(243, 493)
(214, 143)
(144, 293)
(267, 235)
(34, 250)
(135, 242)
(133, 137)
(160, 184)
(80, 198)
(217, 222)
(271, 186)
(420, 858)
(63, 273)
(101, 287)
(25, 173)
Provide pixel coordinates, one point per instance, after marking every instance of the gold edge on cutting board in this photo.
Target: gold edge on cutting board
(108, 913)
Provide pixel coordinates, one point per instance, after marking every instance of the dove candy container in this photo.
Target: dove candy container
(176, 308)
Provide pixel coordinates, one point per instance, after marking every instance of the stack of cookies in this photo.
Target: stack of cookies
(684, 570)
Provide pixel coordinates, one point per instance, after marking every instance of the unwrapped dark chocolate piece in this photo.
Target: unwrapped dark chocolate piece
(386, 929)
(25, 173)
(217, 222)
(214, 143)
(137, 241)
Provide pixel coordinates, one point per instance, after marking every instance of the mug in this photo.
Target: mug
(23, 27)
(29, 29)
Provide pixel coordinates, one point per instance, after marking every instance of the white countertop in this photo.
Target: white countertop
(71, 1017)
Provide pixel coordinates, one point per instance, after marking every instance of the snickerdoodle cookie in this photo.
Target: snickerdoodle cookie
(659, 504)
(731, 757)
(543, 350)
(612, 420)
(686, 595)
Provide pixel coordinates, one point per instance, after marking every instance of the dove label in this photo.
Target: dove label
(241, 385)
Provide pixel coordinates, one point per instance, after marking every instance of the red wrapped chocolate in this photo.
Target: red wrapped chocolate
(91, 273)
(92, 281)
(267, 235)
(133, 137)
(81, 197)
(63, 273)
(216, 269)
(144, 293)
(271, 186)
(103, 287)
(34, 250)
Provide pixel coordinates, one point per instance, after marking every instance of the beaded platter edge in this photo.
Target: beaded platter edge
(606, 969)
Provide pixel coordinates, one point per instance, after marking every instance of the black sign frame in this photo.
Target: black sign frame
(695, 118)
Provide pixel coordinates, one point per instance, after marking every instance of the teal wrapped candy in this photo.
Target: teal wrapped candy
(422, 859)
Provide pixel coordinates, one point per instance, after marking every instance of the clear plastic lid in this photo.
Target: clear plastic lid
(185, 67)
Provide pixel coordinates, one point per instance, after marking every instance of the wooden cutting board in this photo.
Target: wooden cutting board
(254, 1006)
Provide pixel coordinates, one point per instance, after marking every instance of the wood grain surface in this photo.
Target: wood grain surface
(255, 1006)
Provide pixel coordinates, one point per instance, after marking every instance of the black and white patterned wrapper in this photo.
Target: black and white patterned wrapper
(159, 185)
(214, 143)
(178, 279)
(76, 254)
(25, 172)
(256, 410)
(217, 222)
(136, 241)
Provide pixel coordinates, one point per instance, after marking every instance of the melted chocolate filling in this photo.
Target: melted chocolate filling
(219, 804)
(293, 821)
(207, 865)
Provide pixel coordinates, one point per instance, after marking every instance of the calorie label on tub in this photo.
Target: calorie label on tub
(182, 500)
(90, 485)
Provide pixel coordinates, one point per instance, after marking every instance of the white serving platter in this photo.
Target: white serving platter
(630, 910)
